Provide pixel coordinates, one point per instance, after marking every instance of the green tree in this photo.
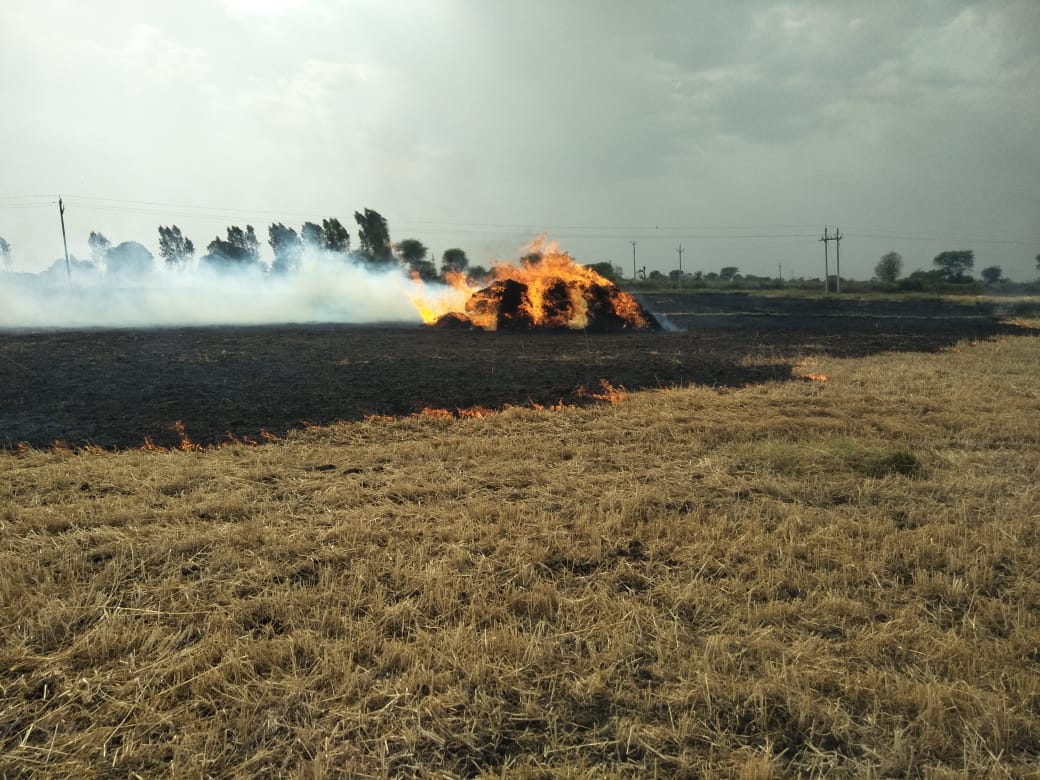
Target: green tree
(955, 264)
(240, 249)
(175, 248)
(5, 254)
(245, 239)
(454, 260)
(889, 267)
(374, 236)
(129, 258)
(606, 269)
(729, 273)
(413, 252)
(335, 237)
(99, 246)
(1038, 262)
(312, 235)
(992, 275)
(287, 247)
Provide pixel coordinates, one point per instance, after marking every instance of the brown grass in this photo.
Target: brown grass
(823, 578)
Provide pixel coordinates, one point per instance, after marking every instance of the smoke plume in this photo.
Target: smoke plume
(327, 287)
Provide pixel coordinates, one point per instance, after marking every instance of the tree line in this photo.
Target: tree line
(951, 267)
(239, 249)
(951, 273)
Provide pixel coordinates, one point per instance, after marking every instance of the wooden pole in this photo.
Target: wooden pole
(64, 241)
(826, 239)
(837, 260)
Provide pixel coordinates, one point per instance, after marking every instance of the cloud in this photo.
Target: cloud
(533, 113)
(264, 7)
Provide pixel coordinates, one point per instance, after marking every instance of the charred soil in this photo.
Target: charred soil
(113, 388)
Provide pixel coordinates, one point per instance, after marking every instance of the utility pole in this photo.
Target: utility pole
(780, 271)
(633, 243)
(837, 260)
(679, 250)
(61, 213)
(826, 238)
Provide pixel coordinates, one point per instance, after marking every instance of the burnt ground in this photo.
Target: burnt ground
(112, 388)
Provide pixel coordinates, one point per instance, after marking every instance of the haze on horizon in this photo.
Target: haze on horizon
(737, 130)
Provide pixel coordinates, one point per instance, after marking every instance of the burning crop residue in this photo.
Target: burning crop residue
(546, 290)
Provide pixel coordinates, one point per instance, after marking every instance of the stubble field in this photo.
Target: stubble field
(736, 573)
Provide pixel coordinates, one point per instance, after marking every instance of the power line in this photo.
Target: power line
(18, 206)
(950, 237)
(165, 209)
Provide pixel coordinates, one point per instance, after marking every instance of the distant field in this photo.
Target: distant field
(757, 579)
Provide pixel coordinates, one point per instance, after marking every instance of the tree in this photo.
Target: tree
(454, 260)
(374, 236)
(477, 273)
(1038, 262)
(5, 254)
(241, 248)
(413, 253)
(245, 240)
(175, 248)
(729, 273)
(334, 236)
(99, 246)
(312, 235)
(411, 250)
(954, 264)
(992, 275)
(129, 259)
(889, 267)
(606, 269)
(287, 247)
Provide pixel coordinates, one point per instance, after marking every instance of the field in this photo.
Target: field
(113, 388)
(712, 565)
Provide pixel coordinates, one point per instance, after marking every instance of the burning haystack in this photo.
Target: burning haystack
(547, 290)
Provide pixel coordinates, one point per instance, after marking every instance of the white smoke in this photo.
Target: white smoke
(326, 288)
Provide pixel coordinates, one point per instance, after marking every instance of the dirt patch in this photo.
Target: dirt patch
(112, 388)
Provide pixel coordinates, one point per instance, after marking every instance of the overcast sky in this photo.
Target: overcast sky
(737, 129)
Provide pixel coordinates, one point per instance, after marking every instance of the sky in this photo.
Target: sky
(737, 130)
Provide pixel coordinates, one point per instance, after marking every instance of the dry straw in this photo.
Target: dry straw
(820, 578)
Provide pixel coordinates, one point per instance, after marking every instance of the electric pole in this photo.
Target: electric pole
(61, 213)
(633, 243)
(826, 238)
(679, 250)
(837, 260)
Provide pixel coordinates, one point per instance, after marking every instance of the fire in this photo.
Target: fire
(433, 304)
(547, 289)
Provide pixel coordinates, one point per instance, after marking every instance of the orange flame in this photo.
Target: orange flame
(433, 303)
(548, 275)
(186, 444)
